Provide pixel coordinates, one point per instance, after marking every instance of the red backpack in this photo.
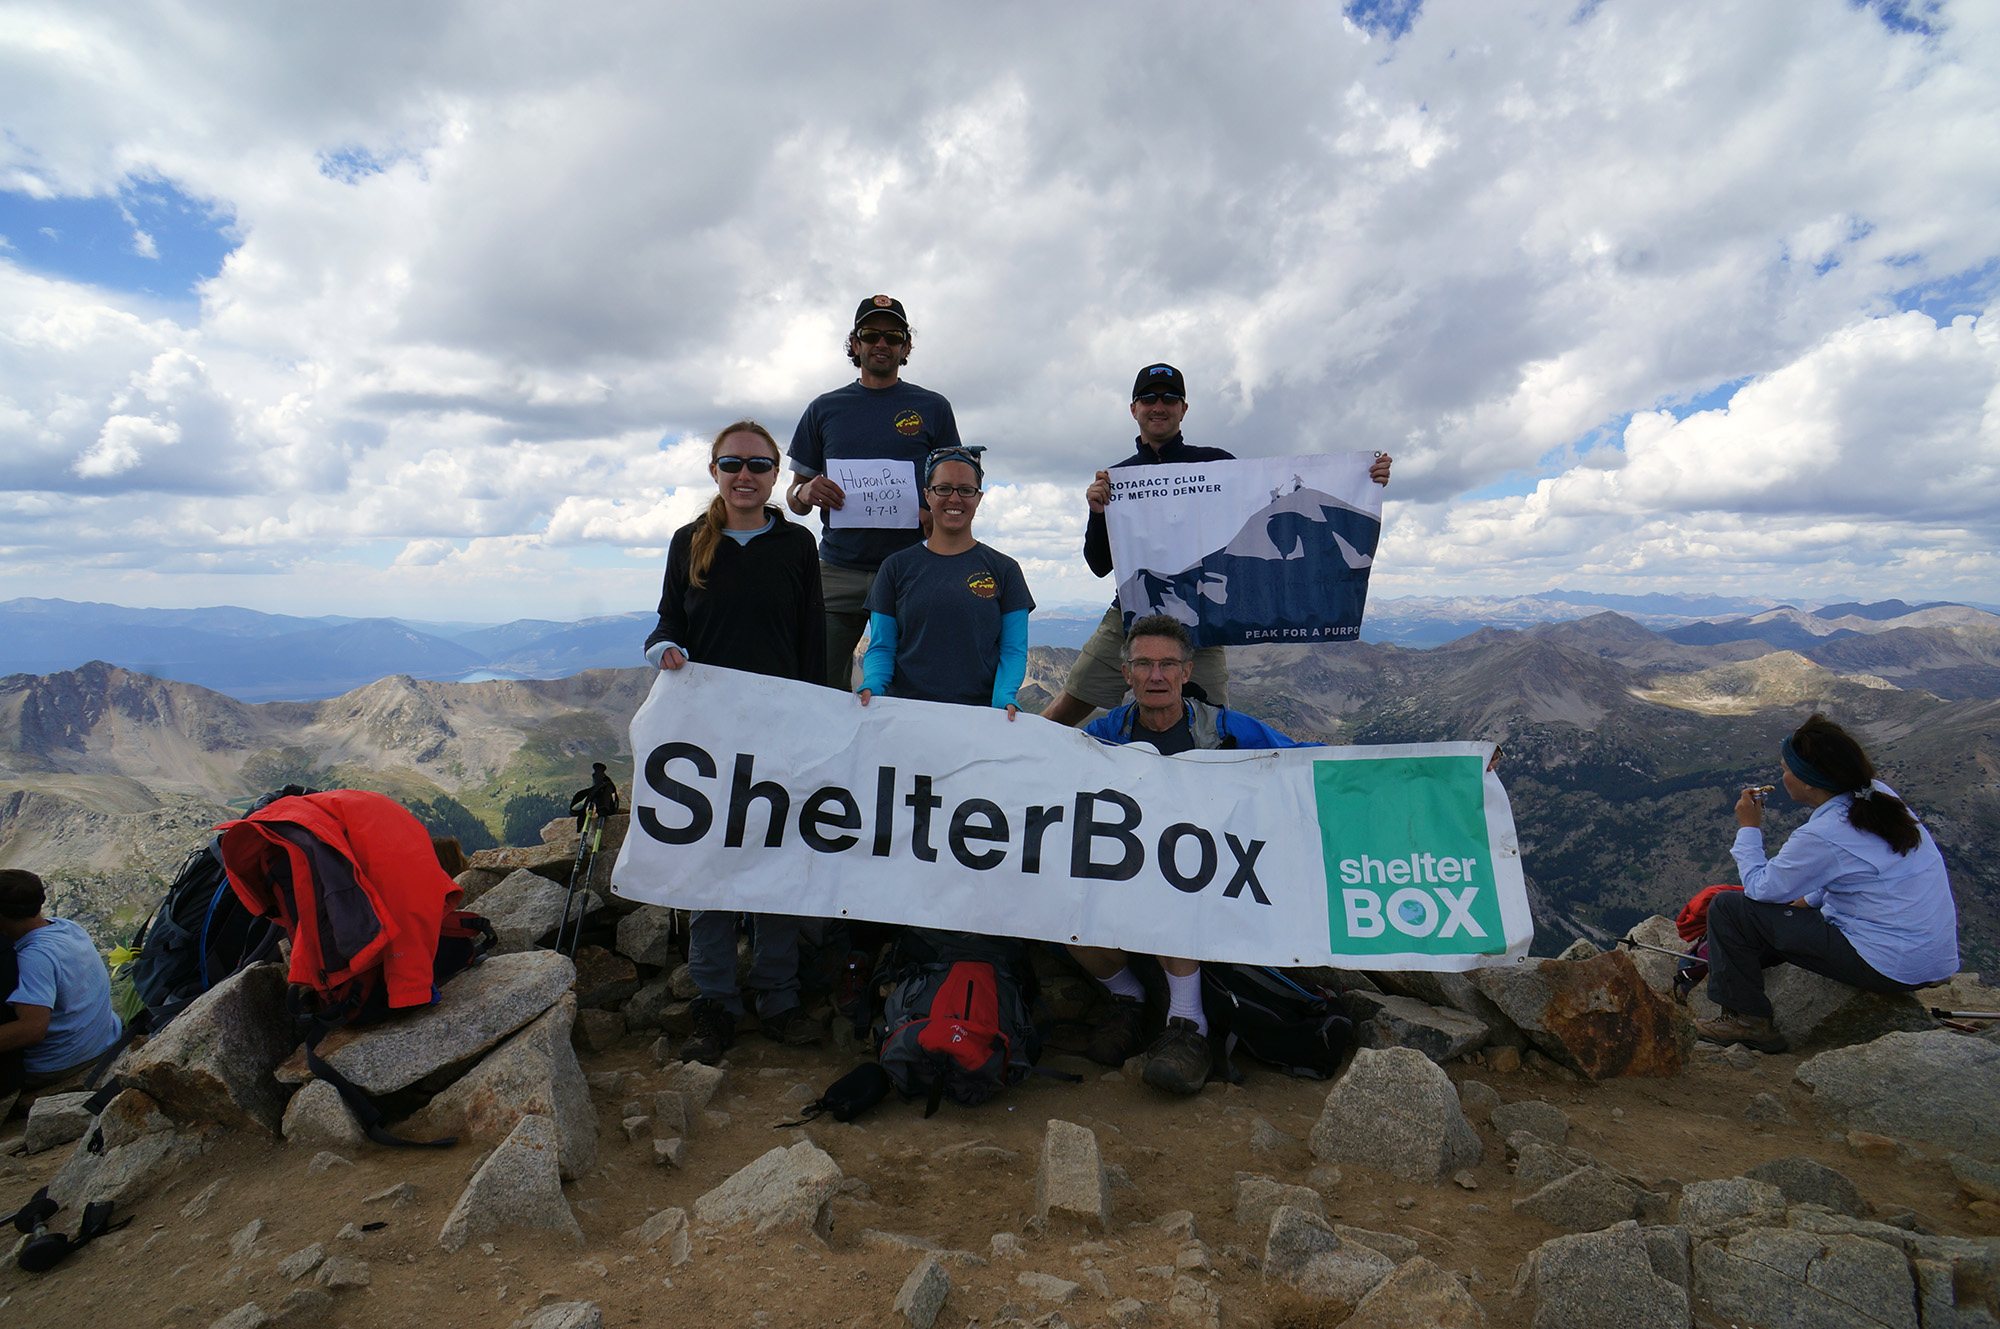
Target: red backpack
(957, 1021)
(1692, 922)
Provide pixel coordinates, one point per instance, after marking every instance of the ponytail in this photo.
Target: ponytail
(1831, 750)
(707, 535)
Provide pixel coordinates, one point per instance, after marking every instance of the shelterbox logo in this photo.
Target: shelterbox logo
(1407, 863)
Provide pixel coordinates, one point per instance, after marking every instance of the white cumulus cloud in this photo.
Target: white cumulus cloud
(122, 443)
(502, 269)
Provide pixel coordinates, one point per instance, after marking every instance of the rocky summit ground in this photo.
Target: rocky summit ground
(227, 1231)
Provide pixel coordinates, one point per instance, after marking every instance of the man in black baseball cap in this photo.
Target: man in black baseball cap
(1097, 679)
(878, 417)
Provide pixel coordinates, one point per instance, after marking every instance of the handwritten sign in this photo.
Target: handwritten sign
(881, 492)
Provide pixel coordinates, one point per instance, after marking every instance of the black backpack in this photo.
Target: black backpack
(198, 935)
(1294, 1029)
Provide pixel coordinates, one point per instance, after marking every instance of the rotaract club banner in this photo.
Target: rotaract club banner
(765, 795)
(1274, 549)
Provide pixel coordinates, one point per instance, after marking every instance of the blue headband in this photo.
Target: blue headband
(968, 454)
(1806, 771)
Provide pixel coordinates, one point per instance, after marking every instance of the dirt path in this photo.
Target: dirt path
(1174, 1154)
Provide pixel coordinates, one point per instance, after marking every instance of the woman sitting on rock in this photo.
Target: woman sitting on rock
(742, 591)
(1859, 893)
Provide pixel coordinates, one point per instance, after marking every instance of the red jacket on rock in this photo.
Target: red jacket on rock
(377, 895)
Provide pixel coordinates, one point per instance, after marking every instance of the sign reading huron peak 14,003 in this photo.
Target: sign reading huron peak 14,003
(769, 796)
(1275, 549)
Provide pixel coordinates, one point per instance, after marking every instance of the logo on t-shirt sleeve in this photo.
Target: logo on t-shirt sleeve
(982, 585)
(909, 422)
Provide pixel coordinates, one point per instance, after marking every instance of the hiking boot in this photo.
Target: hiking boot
(714, 1031)
(1179, 1060)
(791, 1027)
(1752, 1031)
(1116, 1036)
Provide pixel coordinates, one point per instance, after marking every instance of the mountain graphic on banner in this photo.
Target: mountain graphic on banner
(1297, 570)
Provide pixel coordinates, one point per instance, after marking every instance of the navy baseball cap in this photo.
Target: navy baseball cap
(1159, 378)
(881, 304)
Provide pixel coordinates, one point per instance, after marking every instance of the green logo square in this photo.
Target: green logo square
(1407, 861)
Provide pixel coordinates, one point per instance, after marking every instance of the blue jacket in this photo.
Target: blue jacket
(1212, 726)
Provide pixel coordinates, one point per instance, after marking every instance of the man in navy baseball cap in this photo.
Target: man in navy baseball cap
(1097, 680)
(878, 417)
(1159, 380)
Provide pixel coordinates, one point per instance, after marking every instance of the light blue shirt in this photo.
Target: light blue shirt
(61, 970)
(1895, 908)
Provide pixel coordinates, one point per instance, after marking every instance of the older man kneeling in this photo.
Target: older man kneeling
(1159, 661)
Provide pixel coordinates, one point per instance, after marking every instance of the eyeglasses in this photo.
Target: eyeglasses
(757, 465)
(1164, 666)
(871, 336)
(946, 491)
(1155, 398)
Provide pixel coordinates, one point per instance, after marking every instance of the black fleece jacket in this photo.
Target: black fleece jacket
(760, 610)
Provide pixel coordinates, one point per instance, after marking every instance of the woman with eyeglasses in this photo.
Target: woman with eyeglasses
(742, 591)
(948, 618)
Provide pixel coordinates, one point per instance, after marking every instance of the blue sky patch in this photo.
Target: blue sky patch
(1386, 18)
(1715, 399)
(352, 164)
(1967, 292)
(148, 239)
(1610, 434)
(1922, 17)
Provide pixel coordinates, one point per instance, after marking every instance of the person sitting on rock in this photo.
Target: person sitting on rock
(63, 1019)
(1858, 894)
(1159, 662)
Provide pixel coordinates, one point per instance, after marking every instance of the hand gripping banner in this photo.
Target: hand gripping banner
(764, 795)
(1272, 550)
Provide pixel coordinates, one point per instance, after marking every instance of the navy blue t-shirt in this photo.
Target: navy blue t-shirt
(948, 609)
(901, 421)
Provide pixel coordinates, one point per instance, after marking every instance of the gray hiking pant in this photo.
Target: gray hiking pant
(774, 963)
(1745, 935)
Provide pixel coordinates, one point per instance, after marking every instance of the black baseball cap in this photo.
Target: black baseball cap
(881, 304)
(1159, 378)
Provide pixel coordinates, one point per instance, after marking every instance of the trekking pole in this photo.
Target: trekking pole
(1648, 946)
(1941, 1013)
(578, 869)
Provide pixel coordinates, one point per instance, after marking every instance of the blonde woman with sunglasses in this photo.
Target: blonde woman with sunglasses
(742, 591)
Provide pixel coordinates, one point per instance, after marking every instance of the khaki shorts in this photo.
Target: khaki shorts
(1098, 676)
(844, 592)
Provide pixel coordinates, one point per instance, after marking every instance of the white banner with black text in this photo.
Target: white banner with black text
(764, 795)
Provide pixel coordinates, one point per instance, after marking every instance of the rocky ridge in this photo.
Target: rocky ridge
(1537, 1174)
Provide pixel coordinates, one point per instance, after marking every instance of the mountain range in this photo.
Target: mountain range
(1623, 748)
(265, 657)
(256, 656)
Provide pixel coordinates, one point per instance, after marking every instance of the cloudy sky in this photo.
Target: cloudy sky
(428, 309)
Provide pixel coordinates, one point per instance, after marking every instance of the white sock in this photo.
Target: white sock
(1184, 1000)
(1122, 984)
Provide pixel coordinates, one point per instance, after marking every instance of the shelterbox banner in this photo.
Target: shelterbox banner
(1275, 549)
(769, 796)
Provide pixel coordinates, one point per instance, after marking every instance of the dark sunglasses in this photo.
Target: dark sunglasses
(757, 465)
(1155, 398)
(871, 336)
